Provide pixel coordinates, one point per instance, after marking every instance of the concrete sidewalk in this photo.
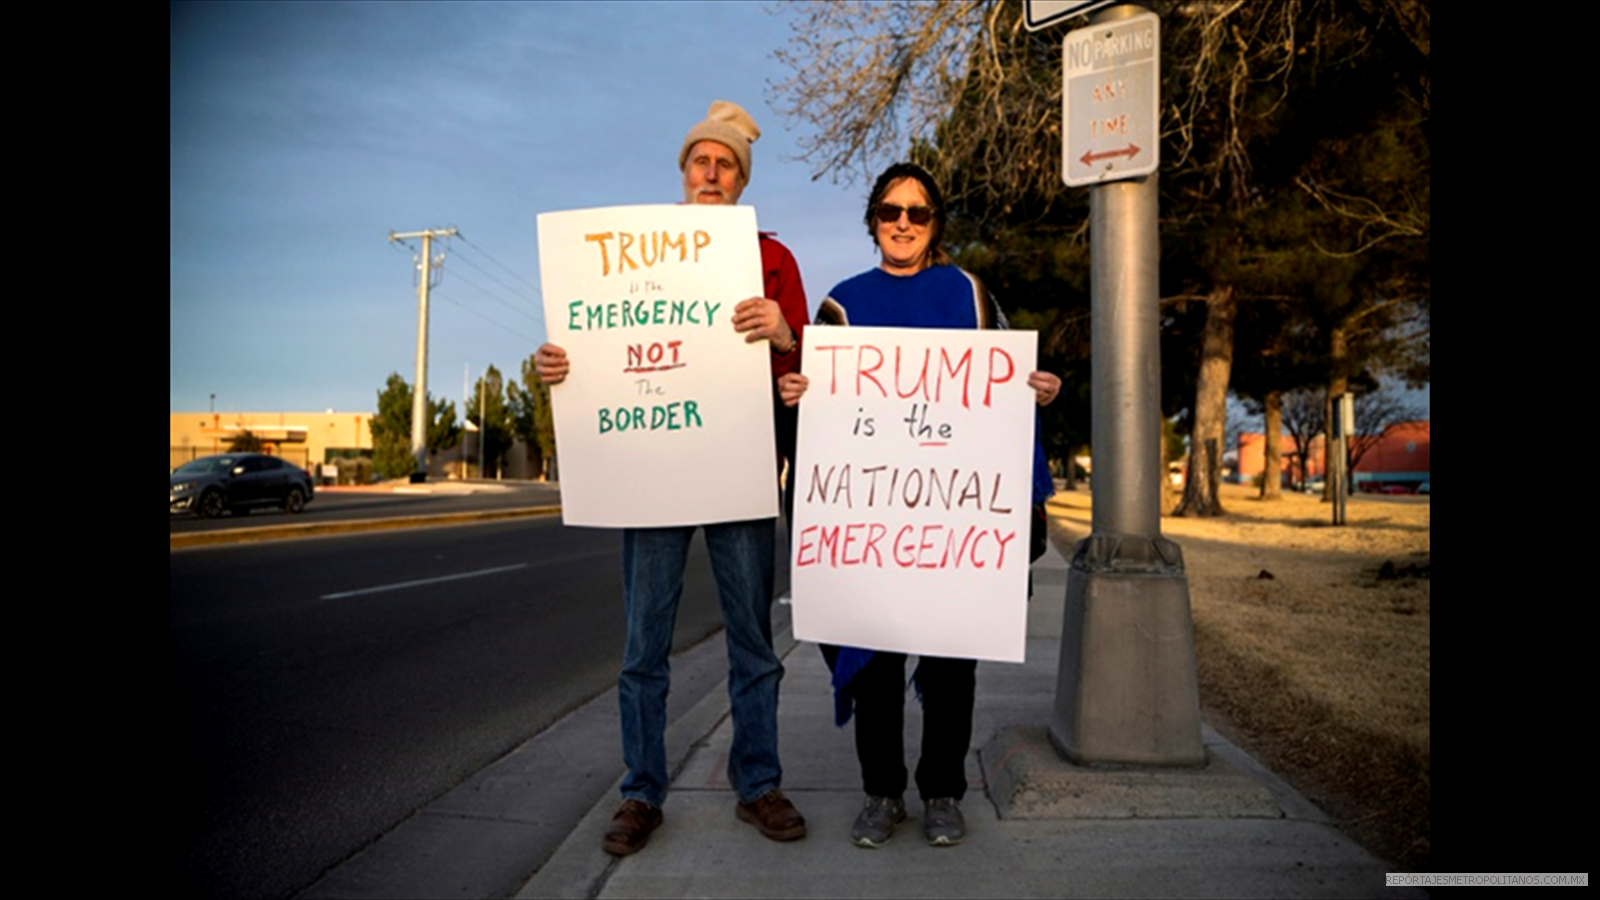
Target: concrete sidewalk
(1037, 825)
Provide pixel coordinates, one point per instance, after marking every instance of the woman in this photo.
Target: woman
(914, 285)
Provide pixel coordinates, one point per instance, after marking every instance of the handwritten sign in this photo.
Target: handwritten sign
(666, 416)
(912, 491)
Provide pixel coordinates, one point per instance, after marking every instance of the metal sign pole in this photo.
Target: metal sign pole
(1126, 688)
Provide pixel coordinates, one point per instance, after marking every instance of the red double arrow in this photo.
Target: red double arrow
(1091, 157)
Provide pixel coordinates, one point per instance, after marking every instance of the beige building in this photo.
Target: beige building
(304, 439)
(309, 439)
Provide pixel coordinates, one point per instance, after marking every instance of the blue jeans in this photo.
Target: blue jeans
(652, 582)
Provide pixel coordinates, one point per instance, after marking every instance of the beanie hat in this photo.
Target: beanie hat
(727, 124)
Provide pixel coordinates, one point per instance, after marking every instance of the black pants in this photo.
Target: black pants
(947, 696)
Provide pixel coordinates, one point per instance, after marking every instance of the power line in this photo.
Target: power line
(500, 325)
(509, 270)
(537, 315)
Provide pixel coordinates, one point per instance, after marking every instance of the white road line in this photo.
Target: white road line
(407, 584)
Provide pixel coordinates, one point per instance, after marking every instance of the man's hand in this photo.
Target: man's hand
(792, 387)
(551, 363)
(1045, 386)
(760, 319)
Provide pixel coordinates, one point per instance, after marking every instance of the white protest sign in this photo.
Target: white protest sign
(666, 415)
(913, 489)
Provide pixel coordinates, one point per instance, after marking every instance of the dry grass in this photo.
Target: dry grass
(1312, 643)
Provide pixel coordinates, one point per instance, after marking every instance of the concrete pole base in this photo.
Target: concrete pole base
(1126, 689)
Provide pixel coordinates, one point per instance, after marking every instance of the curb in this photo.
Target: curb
(579, 868)
(347, 526)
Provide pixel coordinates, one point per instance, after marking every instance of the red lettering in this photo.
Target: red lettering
(833, 363)
(849, 539)
(1003, 541)
(829, 544)
(875, 533)
(800, 553)
(912, 378)
(863, 371)
(899, 545)
(913, 546)
(922, 375)
(1011, 371)
(964, 541)
(655, 354)
(926, 545)
(964, 364)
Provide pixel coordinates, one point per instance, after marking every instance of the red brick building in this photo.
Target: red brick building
(1400, 457)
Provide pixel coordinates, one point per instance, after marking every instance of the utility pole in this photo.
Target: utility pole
(419, 390)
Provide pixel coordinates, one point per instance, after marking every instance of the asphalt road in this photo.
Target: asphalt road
(359, 504)
(324, 689)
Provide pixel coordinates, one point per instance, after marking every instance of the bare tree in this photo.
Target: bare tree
(874, 79)
(1305, 419)
(963, 87)
(1377, 413)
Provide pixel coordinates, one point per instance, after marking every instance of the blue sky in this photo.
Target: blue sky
(303, 133)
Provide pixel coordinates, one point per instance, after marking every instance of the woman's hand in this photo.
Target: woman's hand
(760, 319)
(1045, 386)
(551, 363)
(792, 387)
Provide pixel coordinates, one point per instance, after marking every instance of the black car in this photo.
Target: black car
(238, 483)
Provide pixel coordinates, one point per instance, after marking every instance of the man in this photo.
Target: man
(715, 161)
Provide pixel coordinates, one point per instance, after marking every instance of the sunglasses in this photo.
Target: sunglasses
(890, 212)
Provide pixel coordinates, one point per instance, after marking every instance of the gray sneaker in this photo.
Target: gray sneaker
(942, 823)
(876, 823)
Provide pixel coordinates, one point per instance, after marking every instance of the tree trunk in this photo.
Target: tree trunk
(535, 460)
(1201, 495)
(1272, 452)
(1169, 493)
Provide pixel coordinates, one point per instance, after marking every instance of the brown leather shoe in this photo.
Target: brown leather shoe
(630, 827)
(774, 815)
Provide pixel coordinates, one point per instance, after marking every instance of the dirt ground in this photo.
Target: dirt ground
(1312, 645)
